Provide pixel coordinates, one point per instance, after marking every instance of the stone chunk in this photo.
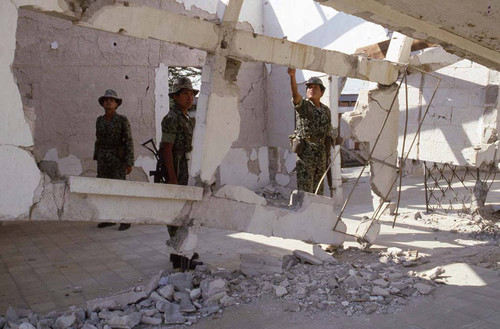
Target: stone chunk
(173, 315)
(88, 326)
(435, 273)
(181, 281)
(323, 255)
(280, 291)
(156, 298)
(26, 325)
(212, 287)
(377, 291)
(195, 293)
(255, 264)
(151, 320)
(167, 291)
(153, 283)
(65, 321)
(423, 288)
(307, 257)
(3, 321)
(126, 322)
(115, 302)
(417, 215)
(11, 315)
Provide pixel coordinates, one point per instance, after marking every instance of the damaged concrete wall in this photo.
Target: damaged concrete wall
(19, 176)
(62, 69)
(462, 124)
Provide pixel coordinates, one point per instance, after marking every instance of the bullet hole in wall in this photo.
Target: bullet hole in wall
(126, 77)
(114, 44)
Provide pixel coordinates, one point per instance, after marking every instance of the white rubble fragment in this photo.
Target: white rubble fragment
(323, 255)
(167, 291)
(64, 322)
(280, 291)
(307, 257)
(115, 302)
(378, 291)
(195, 293)
(435, 273)
(126, 322)
(394, 251)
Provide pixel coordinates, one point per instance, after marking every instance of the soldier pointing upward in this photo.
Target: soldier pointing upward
(312, 133)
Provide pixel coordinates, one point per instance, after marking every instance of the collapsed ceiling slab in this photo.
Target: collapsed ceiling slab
(469, 29)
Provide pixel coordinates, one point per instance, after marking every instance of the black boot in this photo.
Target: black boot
(176, 260)
(123, 227)
(105, 224)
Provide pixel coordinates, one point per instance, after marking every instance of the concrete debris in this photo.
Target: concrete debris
(64, 322)
(417, 215)
(255, 264)
(126, 322)
(167, 291)
(116, 301)
(435, 273)
(307, 257)
(349, 287)
(323, 255)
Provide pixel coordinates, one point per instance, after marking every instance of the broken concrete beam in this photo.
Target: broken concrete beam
(318, 210)
(252, 47)
(257, 264)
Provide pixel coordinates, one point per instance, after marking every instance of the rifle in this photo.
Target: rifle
(158, 174)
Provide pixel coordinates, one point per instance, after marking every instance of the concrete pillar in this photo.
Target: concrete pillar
(373, 106)
(217, 117)
(334, 92)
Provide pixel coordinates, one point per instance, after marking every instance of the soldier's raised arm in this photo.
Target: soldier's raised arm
(293, 85)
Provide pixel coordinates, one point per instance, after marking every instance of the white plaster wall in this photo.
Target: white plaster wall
(459, 117)
(14, 129)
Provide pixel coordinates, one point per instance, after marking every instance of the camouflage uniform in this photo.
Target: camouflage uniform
(114, 149)
(313, 126)
(177, 129)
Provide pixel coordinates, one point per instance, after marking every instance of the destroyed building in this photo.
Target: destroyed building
(59, 56)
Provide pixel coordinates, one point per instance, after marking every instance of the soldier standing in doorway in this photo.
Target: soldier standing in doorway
(176, 143)
(114, 149)
(313, 133)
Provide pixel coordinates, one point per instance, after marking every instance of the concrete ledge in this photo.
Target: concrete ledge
(114, 187)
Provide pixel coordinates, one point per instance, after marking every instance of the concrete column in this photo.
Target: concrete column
(334, 92)
(373, 106)
(217, 117)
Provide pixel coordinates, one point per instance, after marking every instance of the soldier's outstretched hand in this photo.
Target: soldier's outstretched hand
(291, 72)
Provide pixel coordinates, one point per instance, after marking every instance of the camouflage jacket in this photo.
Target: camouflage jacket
(312, 122)
(114, 136)
(177, 129)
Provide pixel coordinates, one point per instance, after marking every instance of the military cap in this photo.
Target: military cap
(110, 93)
(182, 83)
(316, 81)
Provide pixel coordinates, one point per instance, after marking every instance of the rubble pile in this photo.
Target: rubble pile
(183, 298)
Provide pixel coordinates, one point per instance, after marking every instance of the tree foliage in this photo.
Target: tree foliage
(177, 72)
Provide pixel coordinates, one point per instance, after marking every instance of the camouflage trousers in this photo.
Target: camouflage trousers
(110, 165)
(310, 166)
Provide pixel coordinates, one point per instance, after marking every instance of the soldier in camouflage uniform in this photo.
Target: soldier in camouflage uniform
(313, 129)
(177, 133)
(114, 149)
(176, 142)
